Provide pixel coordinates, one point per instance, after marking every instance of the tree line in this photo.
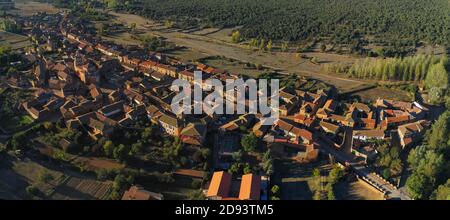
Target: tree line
(430, 71)
(395, 24)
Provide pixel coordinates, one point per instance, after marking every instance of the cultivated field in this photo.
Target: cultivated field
(94, 163)
(14, 41)
(16, 175)
(385, 93)
(27, 8)
(75, 188)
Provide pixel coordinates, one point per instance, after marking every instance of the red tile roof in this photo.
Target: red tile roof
(220, 184)
(250, 187)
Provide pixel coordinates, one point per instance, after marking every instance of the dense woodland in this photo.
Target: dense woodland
(398, 25)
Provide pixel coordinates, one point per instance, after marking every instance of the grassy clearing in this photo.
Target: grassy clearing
(27, 172)
(233, 66)
(384, 93)
(296, 179)
(180, 189)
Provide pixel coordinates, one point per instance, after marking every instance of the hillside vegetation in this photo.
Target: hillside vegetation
(367, 27)
(393, 24)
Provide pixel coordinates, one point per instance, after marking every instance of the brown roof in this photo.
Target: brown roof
(194, 129)
(191, 173)
(220, 184)
(112, 107)
(329, 126)
(361, 106)
(139, 193)
(250, 187)
(374, 133)
(170, 120)
(402, 118)
(187, 73)
(284, 125)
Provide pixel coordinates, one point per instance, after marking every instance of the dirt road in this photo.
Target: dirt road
(209, 46)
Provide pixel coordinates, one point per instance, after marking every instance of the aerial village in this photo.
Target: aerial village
(83, 83)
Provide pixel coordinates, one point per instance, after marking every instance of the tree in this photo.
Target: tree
(32, 190)
(237, 156)
(396, 167)
(418, 186)
(437, 80)
(269, 46)
(442, 192)
(247, 169)
(168, 24)
(120, 184)
(18, 141)
(108, 148)
(438, 138)
(44, 176)
(236, 37)
(113, 4)
(249, 142)
(427, 167)
(136, 148)
(120, 152)
(316, 172)
(284, 47)
(330, 194)
(267, 163)
(262, 44)
(197, 195)
(235, 168)
(133, 27)
(335, 174)
(275, 190)
(10, 26)
(253, 43)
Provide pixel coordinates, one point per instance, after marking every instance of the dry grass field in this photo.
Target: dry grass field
(214, 42)
(357, 190)
(27, 8)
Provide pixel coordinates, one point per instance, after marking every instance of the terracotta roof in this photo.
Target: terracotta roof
(250, 187)
(190, 172)
(220, 184)
(330, 104)
(374, 133)
(284, 125)
(329, 127)
(361, 106)
(402, 118)
(194, 129)
(139, 193)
